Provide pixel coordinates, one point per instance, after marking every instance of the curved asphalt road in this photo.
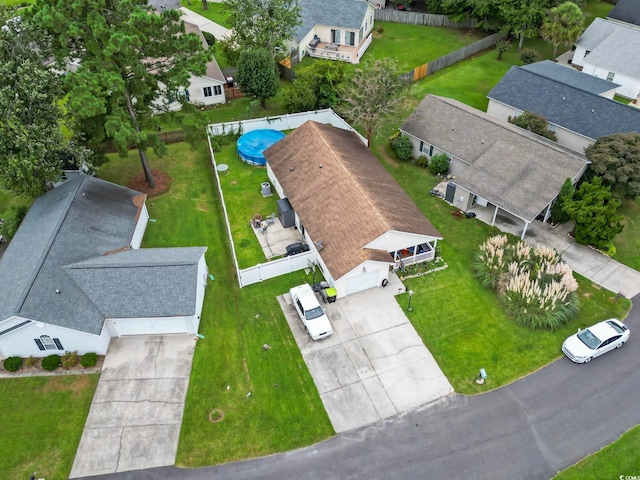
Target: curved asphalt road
(530, 429)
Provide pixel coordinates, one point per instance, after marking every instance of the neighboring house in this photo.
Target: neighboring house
(334, 29)
(347, 205)
(609, 49)
(627, 11)
(206, 89)
(497, 165)
(577, 106)
(74, 276)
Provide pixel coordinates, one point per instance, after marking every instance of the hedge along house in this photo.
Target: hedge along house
(347, 205)
(334, 29)
(74, 276)
(498, 167)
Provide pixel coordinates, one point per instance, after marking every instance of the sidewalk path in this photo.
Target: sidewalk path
(203, 23)
(596, 266)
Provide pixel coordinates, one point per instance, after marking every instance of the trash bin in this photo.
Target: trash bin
(332, 293)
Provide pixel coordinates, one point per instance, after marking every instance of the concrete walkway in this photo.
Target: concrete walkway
(136, 414)
(203, 23)
(375, 365)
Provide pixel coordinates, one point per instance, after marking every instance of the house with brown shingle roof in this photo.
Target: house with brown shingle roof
(347, 205)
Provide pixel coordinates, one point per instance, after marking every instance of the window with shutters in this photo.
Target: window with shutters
(45, 342)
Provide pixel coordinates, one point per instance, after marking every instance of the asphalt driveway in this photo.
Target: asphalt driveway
(136, 413)
(375, 365)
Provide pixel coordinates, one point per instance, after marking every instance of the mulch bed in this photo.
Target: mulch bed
(139, 183)
(37, 369)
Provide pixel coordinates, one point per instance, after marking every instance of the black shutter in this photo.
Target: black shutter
(58, 344)
(39, 343)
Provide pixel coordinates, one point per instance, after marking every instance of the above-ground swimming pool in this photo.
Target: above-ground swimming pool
(251, 145)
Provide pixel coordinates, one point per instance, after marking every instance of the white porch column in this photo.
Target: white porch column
(524, 230)
(547, 214)
(495, 214)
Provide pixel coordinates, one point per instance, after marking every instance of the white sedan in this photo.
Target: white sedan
(315, 320)
(584, 346)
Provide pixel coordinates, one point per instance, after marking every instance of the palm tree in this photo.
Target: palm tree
(562, 25)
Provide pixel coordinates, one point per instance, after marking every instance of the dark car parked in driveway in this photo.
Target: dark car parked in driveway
(295, 248)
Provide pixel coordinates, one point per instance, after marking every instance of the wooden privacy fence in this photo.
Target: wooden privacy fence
(418, 18)
(422, 71)
(173, 136)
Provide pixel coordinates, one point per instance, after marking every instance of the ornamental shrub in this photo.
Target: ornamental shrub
(439, 164)
(11, 364)
(89, 360)
(31, 361)
(211, 40)
(51, 362)
(536, 287)
(529, 56)
(402, 147)
(69, 359)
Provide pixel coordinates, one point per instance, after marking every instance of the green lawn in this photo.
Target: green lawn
(618, 460)
(627, 243)
(594, 10)
(214, 12)
(458, 319)
(41, 420)
(283, 411)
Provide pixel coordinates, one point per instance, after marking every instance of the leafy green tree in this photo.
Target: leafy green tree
(522, 18)
(534, 123)
(32, 146)
(257, 75)
(131, 60)
(593, 209)
(315, 88)
(372, 94)
(563, 25)
(256, 25)
(616, 158)
(529, 56)
(558, 214)
(485, 12)
(12, 219)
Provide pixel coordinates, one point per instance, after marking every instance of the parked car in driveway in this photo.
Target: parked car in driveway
(584, 346)
(314, 318)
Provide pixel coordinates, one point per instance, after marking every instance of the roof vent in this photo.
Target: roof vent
(453, 128)
(291, 169)
(563, 98)
(320, 165)
(592, 110)
(58, 291)
(483, 141)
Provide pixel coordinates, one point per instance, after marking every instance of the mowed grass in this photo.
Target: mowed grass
(617, 460)
(283, 410)
(41, 420)
(214, 12)
(627, 243)
(241, 187)
(415, 45)
(462, 323)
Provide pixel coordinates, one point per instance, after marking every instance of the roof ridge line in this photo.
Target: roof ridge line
(45, 251)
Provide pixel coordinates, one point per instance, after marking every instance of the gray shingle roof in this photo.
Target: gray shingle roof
(77, 221)
(337, 13)
(582, 112)
(160, 282)
(510, 167)
(613, 46)
(626, 11)
(570, 76)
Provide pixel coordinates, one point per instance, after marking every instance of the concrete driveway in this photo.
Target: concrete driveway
(374, 365)
(135, 417)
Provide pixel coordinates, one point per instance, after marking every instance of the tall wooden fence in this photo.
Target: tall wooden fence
(418, 18)
(173, 136)
(433, 66)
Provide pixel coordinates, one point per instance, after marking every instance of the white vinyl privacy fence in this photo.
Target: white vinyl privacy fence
(274, 268)
(289, 121)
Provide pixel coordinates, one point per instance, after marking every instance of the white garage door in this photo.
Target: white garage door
(362, 282)
(150, 326)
